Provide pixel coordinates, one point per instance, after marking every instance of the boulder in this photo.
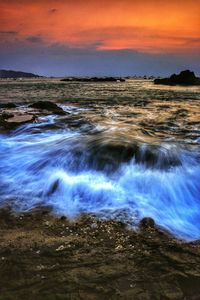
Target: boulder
(8, 105)
(147, 223)
(49, 106)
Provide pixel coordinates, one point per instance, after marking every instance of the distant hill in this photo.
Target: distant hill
(16, 74)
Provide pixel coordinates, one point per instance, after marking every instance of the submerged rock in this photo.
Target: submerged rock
(184, 78)
(109, 155)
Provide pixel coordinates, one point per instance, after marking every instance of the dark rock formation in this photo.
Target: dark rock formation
(146, 223)
(50, 106)
(8, 105)
(12, 117)
(184, 78)
(16, 74)
(94, 79)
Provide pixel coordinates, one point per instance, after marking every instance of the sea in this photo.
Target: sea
(123, 150)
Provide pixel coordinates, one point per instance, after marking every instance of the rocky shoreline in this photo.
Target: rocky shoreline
(43, 256)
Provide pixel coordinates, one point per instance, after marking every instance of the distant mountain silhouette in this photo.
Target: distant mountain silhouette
(183, 78)
(16, 74)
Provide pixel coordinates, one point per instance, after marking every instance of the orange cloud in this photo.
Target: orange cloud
(152, 26)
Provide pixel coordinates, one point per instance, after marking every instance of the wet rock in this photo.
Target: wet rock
(6, 217)
(15, 120)
(49, 106)
(9, 121)
(53, 188)
(8, 105)
(184, 78)
(6, 115)
(146, 223)
(108, 156)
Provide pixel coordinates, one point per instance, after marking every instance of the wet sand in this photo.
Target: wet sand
(43, 256)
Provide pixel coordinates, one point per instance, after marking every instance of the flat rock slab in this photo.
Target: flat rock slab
(12, 116)
(21, 118)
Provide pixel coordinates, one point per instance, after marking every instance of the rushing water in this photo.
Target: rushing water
(131, 151)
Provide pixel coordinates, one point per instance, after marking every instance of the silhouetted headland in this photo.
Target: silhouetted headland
(17, 74)
(183, 78)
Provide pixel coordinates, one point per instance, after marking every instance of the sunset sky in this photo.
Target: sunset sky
(90, 37)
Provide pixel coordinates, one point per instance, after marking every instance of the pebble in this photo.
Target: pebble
(119, 247)
(93, 225)
(60, 248)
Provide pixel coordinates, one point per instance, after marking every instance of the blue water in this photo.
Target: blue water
(41, 167)
(118, 158)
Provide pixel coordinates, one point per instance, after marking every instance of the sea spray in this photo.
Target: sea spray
(68, 170)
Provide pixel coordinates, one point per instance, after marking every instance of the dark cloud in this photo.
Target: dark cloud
(192, 41)
(53, 10)
(9, 32)
(34, 39)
